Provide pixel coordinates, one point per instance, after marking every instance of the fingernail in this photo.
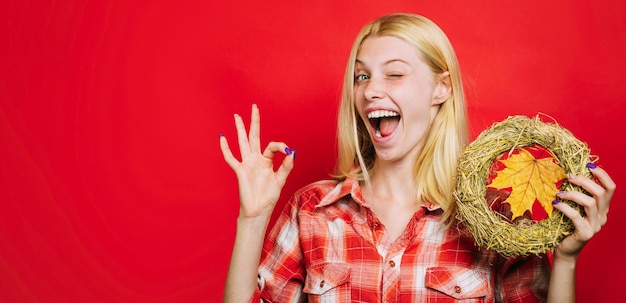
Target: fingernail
(294, 153)
(555, 202)
(560, 193)
(591, 165)
(569, 176)
(221, 135)
(287, 151)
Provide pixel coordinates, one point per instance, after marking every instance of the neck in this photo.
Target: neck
(393, 181)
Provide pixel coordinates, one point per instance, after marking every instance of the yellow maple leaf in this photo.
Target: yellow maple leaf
(530, 179)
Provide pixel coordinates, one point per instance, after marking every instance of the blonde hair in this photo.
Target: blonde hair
(435, 168)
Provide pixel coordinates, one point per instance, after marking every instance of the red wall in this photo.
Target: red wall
(112, 186)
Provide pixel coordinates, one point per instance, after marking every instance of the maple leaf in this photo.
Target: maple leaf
(530, 179)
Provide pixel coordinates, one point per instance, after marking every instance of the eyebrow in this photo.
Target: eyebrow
(357, 61)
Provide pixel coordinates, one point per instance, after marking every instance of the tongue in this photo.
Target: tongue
(388, 125)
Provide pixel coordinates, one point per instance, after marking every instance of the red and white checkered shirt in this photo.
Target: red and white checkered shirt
(328, 246)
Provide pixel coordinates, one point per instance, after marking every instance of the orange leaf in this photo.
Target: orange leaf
(530, 179)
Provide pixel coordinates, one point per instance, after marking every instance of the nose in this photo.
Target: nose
(373, 89)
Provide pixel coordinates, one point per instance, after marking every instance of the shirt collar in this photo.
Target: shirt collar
(349, 186)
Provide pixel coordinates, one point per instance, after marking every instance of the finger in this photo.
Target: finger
(604, 199)
(255, 129)
(287, 164)
(604, 179)
(602, 191)
(228, 155)
(276, 147)
(583, 228)
(588, 184)
(588, 203)
(242, 138)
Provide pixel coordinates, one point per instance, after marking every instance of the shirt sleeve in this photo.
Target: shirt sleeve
(523, 279)
(282, 270)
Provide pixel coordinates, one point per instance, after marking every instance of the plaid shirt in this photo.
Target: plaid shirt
(328, 246)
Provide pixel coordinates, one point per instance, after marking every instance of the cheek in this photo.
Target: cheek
(420, 112)
(359, 99)
(357, 91)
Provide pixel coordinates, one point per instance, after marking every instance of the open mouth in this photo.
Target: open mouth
(384, 122)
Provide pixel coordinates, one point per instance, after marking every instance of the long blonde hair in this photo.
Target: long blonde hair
(435, 168)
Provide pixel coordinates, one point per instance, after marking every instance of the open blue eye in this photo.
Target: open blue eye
(361, 77)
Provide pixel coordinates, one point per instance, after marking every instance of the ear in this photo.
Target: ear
(443, 88)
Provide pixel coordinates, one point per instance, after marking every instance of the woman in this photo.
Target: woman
(384, 229)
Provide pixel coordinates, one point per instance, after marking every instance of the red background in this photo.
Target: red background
(112, 186)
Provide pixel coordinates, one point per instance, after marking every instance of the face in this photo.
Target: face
(397, 96)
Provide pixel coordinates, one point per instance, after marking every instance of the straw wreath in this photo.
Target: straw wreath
(492, 230)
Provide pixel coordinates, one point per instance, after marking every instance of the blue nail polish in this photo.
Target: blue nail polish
(560, 193)
(221, 135)
(287, 151)
(569, 176)
(555, 202)
(294, 153)
(591, 165)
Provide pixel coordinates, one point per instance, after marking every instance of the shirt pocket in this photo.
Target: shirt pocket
(459, 283)
(328, 280)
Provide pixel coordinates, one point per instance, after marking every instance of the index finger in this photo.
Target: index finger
(603, 177)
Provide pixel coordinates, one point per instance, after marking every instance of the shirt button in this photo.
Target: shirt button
(322, 284)
(457, 289)
(392, 264)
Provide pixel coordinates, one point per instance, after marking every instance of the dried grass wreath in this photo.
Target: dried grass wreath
(490, 229)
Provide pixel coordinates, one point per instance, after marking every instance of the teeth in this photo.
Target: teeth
(378, 134)
(381, 114)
